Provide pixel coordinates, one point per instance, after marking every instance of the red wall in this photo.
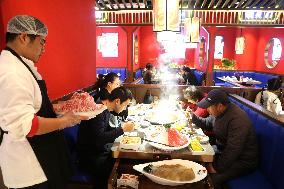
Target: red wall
(150, 48)
(2, 29)
(121, 60)
(265, 34)
(252, 59)
(255, 42)
(229, 36)
(69, 60)
(247, 60)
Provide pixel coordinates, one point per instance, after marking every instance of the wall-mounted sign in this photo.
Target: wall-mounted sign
(136, 49)
(108, 44)
(240, 45)
(166, 15)
(258, 16)
(219, 47)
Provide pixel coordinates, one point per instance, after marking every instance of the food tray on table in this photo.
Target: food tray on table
(125, 166)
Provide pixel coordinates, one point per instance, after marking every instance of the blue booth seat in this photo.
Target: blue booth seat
(270, 135)
(262, 77)
(121, 72)
(138, 73)
(199, 76)
(80, 176)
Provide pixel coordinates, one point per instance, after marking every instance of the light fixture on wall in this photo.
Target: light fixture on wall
(166, 15)
(192, 29)
(240, 44)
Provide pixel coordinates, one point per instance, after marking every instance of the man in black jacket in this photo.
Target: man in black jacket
(236, 141)
(95, 135)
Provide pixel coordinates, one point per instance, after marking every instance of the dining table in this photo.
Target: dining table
(125, 159)
(244, 82)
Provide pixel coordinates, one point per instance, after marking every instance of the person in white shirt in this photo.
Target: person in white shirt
(268, 99)
(33, 153)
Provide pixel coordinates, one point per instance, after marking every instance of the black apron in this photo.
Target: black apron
(50, 149)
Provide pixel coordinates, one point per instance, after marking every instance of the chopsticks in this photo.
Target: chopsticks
(157, 142)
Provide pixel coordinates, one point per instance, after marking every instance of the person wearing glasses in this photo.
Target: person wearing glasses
(33, 150)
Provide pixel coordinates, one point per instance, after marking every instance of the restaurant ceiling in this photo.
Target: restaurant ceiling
(116, 5)
(211, 12)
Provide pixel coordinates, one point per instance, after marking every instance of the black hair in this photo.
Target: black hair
(149, 66)
(261, 97)
(12, 36)
(103, 80)
(120, 93)
(193, 93)
(186, 69)
(272, 85)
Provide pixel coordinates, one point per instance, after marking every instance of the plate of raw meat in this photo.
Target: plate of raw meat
(168, 140)
(81, 104)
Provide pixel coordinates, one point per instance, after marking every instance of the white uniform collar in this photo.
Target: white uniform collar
(31, 64)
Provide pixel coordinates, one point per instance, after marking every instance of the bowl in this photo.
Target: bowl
(203, 139)
(130, 143)
(200, 172)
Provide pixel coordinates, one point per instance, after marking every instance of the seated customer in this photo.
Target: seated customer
(193, 96)
(105, 84)
(268, 99)
(235, 138)
(188, 77)
(148, 75)
(94, 136)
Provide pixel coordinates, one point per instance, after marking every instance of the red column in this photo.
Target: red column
(129, 30)
(210, 65)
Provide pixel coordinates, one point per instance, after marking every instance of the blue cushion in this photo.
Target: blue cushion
(254, 180)
(277, 165)
(199, 76)
(122, 72)
(138, 74)
(71, 137)
(270, 137)
(81, 177)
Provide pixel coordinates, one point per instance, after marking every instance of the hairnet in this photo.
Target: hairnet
(26, 24)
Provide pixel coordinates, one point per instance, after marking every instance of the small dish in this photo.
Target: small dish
(203, 139)
(130, 143)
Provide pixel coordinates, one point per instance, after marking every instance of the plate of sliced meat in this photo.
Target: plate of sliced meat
(172, 172)
(81, 104)
(169, 140)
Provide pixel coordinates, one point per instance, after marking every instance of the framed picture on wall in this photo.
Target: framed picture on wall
(108, 44)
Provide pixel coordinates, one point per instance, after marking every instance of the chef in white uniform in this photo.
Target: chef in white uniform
(33, 152)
